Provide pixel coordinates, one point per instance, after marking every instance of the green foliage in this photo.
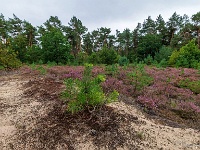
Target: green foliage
(139, 78)
(42, 70)
(40, 62)
(125, 39)
(34, 54)
(86, 94)
(63, 44)
(163, 63)
(173, 57)
(8, 59)
(198, 68)
(18, 44)
(94, 58)
(149, 60)
(51, 64)
(82, 58)
(100, 78)
(194, 86)
(149, 45)
(39, 68)
(188, 56)
(164, 53)
(112, 69)
(108, 56)
(132, 57)
(123, 61)
(74, 33)
(55, 47)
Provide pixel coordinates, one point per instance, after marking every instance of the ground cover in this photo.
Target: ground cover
(156, 109)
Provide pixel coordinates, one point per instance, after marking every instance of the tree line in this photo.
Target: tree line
(73, 43)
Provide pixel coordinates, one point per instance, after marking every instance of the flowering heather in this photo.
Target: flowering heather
(169, 90)
(188, 72)
(172, 93)
(166, 84)
(98, 70)
(57, 70)
(74, 74)
(122, 74)
(148, 101)
(114, 84)
(189, 107)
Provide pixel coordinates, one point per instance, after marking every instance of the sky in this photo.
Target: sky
(114, 14)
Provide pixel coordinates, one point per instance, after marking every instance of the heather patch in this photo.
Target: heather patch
(164, 91)
(175, 90)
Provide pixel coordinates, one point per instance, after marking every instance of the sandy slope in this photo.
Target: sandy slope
(18, 112)
(9, 102)
(157, 136)
(15, 110)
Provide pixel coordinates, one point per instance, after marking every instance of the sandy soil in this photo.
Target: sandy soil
(31, 120)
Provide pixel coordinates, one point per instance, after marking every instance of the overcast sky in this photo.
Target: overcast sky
(114, 14)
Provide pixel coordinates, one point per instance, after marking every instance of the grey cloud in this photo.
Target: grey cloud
(96, 13)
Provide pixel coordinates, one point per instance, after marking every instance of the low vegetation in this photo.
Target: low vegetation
(85, 92)
(172, 93)
(158, 63)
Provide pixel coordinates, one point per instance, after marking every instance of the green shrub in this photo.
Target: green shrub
(8, 59)
(86, 94)
(40, 62)
(94, 58)
(163, 63)
(51, 64)
(139, 78)
(108, 56)
(112, 69)
(149, 60)
(163, 54)
(82, 58)
(1, 67)
(33, 54)
(132, 57)
(198, 68)
(123, 61)
(188, 56)
(194, 86)
(39, 68)
(173, 57)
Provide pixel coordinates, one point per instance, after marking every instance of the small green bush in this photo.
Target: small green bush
(94, 58)
(108, 56)
(86, 94)
(194, 86)
(39, 68)
(1, 67)
(123, 61)
(173, 57)
(139, 78)
(163, 63)
(112, 69)
(82, 58)
(149, 60)
(163, 54)
(8, 59)
(51, 64)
